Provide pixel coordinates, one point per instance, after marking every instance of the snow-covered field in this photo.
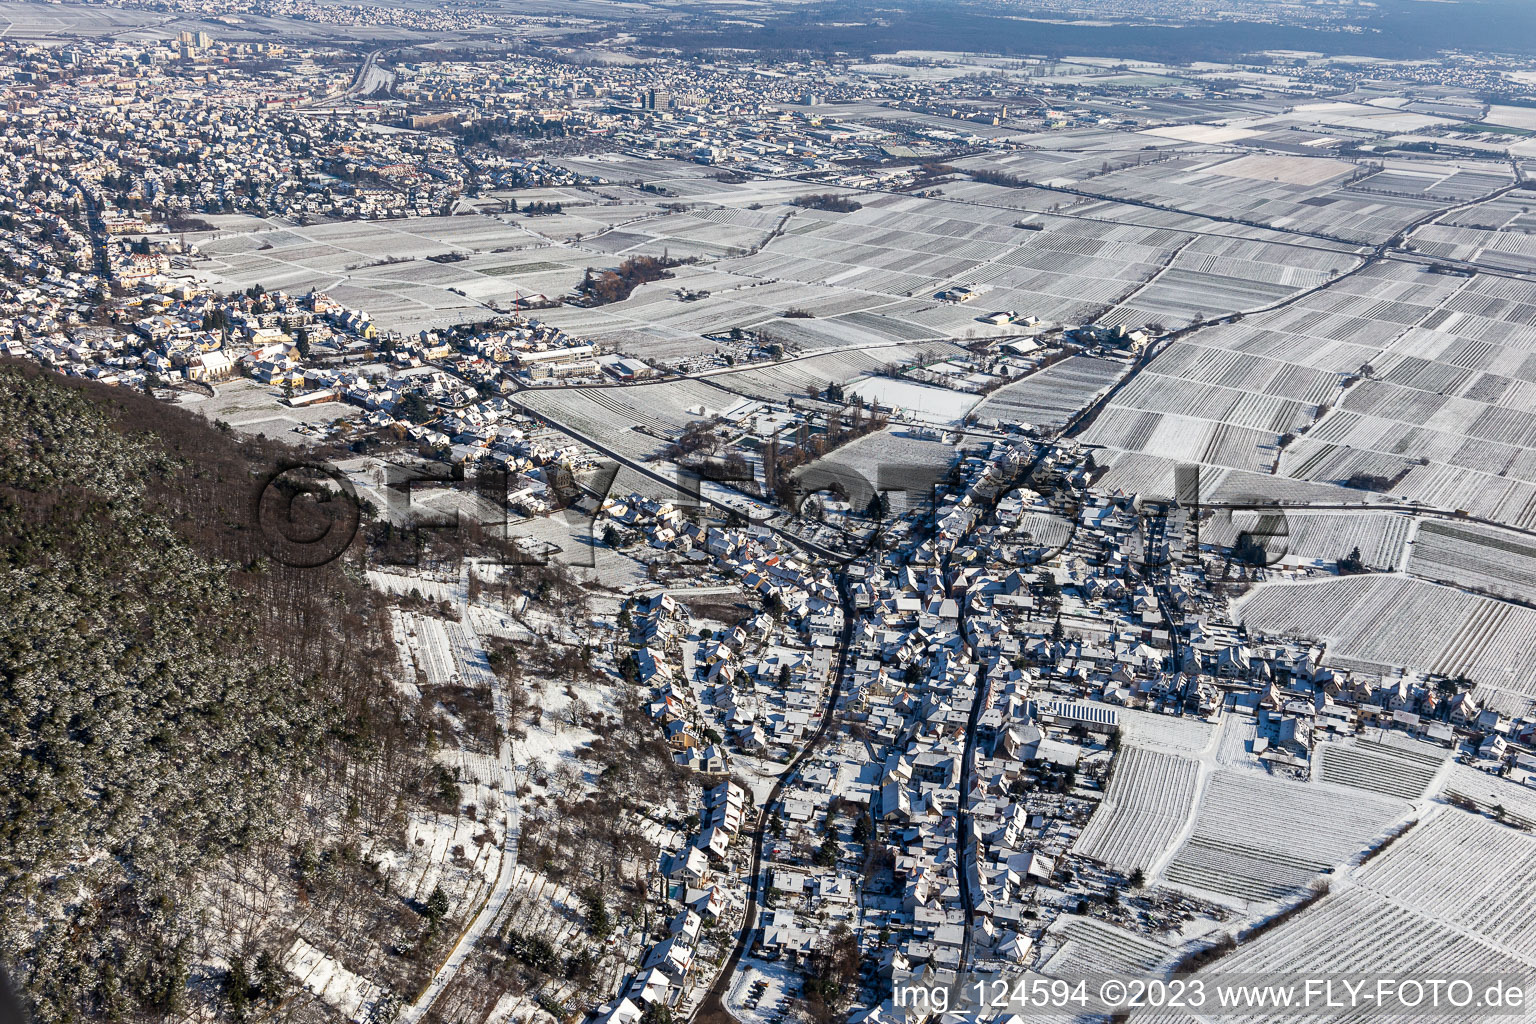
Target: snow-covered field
(1169, 733)
(1466, 871)
(1392, 770)
(916, 401)
(1150, 798)
(1090, 946)
(1259, 838)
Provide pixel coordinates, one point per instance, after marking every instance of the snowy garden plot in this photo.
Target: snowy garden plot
(1149, 800)
(455, 852)
(1173, 734)
(469, 657)
(537, 905)
(1260, 838)
(433, 649)
(1403, 622)
(1235, 747)
(1390, 770)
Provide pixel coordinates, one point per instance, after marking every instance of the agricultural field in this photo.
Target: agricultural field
(1444, 410)
(1400, 622)
(1428, 872)
(1150, 798)
(1212, 276)
(1234, 748)
(1489, 793)
(1171, 734)
(634, 421)
(1090, 946)
(1316, 196)
(1258, 838)
(1357, 931)
(1049, 397)
(905, 467)
(911, 401)
(809, 376)
(1390, 770)
(1476, 557)
(1396, 372)
(431, 649)
(1497, 233)
(253, 408)
(381, 266)
(870, 276)
(1316, 537)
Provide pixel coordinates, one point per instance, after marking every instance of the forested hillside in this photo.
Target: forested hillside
(177, 707)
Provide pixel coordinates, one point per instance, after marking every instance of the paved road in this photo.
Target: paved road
(966, 826)
(712, 1007)
(368, 78)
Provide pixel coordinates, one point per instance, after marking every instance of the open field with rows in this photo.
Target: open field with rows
(1489, 792)
(1467, 871)
(1467, 555)
(1310, 195)
(1390, 770)
(1316, 536)
(808, 377)
(1049, 397)
(431, 648)
(1420, 378)
(1234, 748)
(1170, 734)
(1359, 931)
(1091, 946)
(1447, 404)
(612, 415)
(1149, 800)
(1399, 621)
(1260, 838)
(902, 465)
